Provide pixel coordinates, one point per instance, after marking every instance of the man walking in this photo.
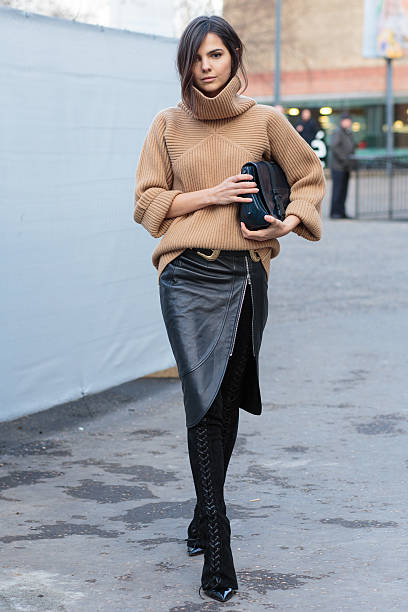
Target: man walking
(342, 146)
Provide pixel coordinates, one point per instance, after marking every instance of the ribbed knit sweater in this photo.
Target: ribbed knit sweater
(188, 151)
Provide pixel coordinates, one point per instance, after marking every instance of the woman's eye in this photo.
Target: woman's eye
(216, 54)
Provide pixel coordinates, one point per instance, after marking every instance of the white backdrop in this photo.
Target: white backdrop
(79, 301)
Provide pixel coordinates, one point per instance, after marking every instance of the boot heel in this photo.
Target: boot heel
(194, 548)
(195, 543)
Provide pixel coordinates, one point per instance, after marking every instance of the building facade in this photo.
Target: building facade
(322, 65)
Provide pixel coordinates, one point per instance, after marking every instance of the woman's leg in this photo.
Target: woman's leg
(230, 397)
(197, 529)
(234, 379)
(211, 443)
(207, 465)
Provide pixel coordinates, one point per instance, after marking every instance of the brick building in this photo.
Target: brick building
(322, 66)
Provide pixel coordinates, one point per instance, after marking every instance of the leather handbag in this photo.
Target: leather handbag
(272, 198)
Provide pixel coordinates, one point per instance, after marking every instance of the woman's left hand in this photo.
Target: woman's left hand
(276, 229)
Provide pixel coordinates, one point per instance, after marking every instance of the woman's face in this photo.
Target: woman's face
(212, 66)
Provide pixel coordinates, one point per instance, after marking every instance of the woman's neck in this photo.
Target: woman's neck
(224, 105)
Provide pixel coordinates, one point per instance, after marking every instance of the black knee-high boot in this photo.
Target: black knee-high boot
(207, 463)
(197, 529)
(196, 532)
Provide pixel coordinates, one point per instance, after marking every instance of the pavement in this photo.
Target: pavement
(96, 495)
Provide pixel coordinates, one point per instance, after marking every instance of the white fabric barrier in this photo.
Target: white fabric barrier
(79, 301)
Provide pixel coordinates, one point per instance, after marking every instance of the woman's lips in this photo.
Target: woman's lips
(208, 79)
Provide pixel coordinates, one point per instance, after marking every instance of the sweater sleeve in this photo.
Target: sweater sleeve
(154, 180)
(304, 172)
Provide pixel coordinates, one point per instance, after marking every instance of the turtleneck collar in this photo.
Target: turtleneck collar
(224, 105)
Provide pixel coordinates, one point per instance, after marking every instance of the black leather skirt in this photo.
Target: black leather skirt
(201, 301)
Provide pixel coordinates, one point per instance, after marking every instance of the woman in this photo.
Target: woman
(212, 270)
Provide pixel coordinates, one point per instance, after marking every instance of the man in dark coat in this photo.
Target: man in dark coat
(342, 146)
(307, 127)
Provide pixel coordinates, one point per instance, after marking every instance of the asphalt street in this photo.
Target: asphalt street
(96, 495)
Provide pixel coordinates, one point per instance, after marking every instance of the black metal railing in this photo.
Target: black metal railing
(381, 186)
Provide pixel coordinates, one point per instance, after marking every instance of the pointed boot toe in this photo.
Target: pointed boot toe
(221, 595)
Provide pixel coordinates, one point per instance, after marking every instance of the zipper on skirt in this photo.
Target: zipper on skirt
(252, 300)
(247, 282)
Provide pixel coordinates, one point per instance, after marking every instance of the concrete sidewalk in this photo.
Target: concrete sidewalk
(96, 495)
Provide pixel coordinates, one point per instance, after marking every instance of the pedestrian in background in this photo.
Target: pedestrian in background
(213, 271)
(342, 146)
(307, 127)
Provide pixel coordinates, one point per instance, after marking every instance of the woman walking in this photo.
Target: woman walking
(213, 271)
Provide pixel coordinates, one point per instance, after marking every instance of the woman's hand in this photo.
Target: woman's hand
(276, 229)
(228, 191)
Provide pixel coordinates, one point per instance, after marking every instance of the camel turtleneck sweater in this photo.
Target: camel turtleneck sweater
(188, 150)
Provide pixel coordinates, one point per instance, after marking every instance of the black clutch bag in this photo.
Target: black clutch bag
(272, 198)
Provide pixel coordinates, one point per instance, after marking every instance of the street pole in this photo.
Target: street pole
(277, 52)
(390, 135)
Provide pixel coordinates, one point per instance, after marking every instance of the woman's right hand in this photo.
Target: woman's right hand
(229, 190)
(226, 192)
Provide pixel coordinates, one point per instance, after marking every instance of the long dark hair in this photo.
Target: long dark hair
(190, 42)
